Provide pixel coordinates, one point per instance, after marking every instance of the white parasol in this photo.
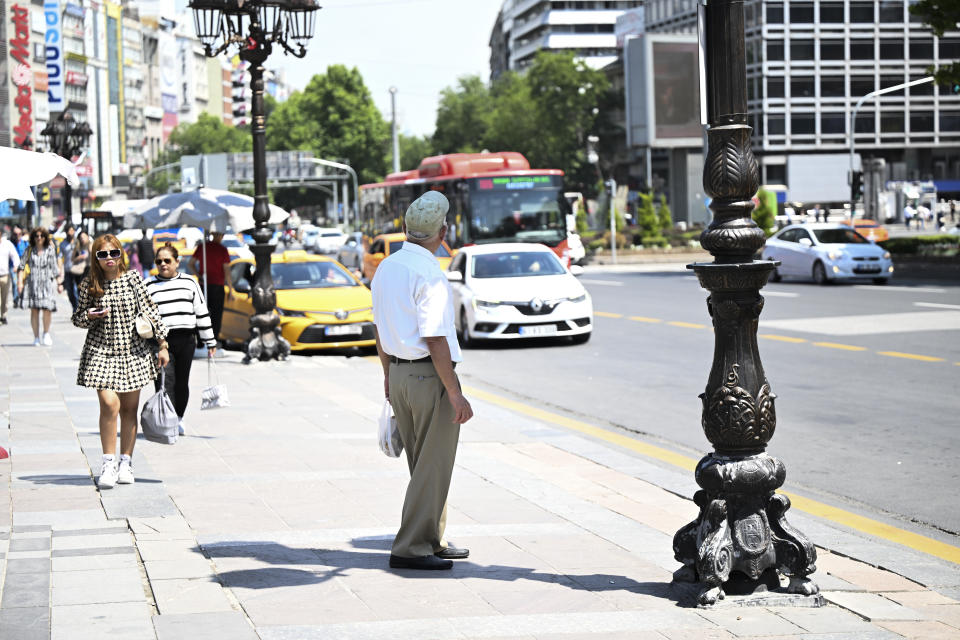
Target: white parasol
(22, 169)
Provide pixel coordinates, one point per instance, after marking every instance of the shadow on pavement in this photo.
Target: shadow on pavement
(336, 562)
(74, 480)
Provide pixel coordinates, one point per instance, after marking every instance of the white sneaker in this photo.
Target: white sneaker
(108, 474)
(47, 339)
(180, 429)
(125, 473)
(36, 342)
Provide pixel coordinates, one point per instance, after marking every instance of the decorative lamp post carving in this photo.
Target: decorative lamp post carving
(67, 138)
(254, 27)
(740, 542)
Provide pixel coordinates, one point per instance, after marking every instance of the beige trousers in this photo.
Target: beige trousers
(425, 419)
(5, 283)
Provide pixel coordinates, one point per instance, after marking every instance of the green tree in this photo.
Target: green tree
(413, 149)
(513, 118)
(336, 118)
(941, 16)
(663, 213)
(765, 213)
(648, 222)
(462, 117)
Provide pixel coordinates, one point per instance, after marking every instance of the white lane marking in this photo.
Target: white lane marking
(936, 305)
(894, 288)
(608, 283)
(909, 322)
(779, 294)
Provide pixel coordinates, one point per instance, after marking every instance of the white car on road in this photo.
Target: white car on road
(826, 252)
(328, 240)
(512, 291)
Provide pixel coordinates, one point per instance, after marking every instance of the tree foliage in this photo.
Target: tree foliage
(463, 117)
(413, 149)
(663, 213)
(765, 213)
(941, 16)
(648, 222)
(336, 118)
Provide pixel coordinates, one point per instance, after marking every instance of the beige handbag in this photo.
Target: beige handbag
(143, 323)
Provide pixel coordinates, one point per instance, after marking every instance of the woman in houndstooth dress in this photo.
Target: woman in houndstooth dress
(115, 360)
(40, 281)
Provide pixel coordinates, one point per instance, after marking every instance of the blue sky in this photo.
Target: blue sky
(418, 46)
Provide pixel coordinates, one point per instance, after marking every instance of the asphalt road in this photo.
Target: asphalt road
(864, 420)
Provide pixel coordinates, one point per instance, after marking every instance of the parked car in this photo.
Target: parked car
(826, 252)
(385, 244)
(870, 229)
(350, 253)
(510, 291)
(321, 304)
(308, 236)
(328, 240)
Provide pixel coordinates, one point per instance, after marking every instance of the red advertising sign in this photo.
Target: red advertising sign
(76, 78)
(22, 76)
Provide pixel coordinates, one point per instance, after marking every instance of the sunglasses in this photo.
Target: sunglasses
(160, 261)
(112, 253)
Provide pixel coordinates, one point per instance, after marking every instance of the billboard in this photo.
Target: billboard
(53, 47)
(662, 80)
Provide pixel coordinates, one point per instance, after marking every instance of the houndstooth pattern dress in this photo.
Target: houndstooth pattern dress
(40, 285)
(114, 355)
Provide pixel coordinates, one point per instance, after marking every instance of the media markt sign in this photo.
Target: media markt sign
(22, 76)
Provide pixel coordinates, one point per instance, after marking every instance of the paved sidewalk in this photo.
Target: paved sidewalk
(273, 518)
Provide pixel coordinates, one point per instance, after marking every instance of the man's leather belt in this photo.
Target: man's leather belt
(396, 360)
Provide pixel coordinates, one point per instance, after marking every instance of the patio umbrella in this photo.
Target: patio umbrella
(22, 169)
(209, 209)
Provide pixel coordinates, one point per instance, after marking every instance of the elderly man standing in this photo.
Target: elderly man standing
(417, 344)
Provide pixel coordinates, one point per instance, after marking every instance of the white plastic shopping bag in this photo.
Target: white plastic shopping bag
(390, 442)
(214, 395)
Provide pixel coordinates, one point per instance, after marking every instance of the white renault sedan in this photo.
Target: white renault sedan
(826, 252)
(512, 291)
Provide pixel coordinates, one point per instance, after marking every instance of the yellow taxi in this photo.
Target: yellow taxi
(869, 229)
(386, 243)
(321, 304)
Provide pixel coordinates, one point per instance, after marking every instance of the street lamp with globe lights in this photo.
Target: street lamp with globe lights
(67, 138)
(254, 27)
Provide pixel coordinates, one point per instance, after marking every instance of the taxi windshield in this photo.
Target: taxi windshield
(310, 275)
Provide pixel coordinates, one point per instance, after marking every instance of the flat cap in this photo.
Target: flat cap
(426, 214)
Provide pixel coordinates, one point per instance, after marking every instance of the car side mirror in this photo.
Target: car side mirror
(454, 276)
(576, 270)
(241, 287)
(807, 242)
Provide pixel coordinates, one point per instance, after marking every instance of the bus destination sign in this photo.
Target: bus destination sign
(514, 182)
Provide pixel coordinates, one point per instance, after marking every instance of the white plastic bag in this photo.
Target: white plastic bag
(214, 395)
(390, 442)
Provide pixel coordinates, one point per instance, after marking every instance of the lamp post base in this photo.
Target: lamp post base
(266, 341)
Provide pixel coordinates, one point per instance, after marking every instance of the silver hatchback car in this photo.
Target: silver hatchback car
(826, 252)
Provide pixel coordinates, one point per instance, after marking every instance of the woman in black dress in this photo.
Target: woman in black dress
(115, 360)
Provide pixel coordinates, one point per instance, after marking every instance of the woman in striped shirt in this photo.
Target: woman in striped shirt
(184, 312)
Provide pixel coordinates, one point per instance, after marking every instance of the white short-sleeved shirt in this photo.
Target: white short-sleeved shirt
(412, 300)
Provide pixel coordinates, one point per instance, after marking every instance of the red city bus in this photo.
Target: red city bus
(494, 197)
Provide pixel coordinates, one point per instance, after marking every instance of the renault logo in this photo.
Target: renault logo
(536, 304)
(340, 314)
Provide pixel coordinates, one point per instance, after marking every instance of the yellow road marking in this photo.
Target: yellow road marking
(688, 325)
(834, 345)
(606, 314)
(834, 514)
(770, 336)
(644, 319)
(909, 356)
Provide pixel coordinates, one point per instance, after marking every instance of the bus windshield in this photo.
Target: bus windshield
(517, 215)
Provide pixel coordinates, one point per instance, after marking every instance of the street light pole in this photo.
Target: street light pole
(66, 137)
(393, 127)
(356, 190)
(740, 540)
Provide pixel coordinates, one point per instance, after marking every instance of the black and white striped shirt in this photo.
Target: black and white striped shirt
(182, 305)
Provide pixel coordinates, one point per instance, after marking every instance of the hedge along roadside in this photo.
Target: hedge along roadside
(934, 245)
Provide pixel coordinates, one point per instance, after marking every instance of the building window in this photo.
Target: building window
(776, 125)
(890, 81)
(921, 49)
(891, 122)
(774, 51)
(949, 122)
(801, 12)
(832, 50)
(833, 123)
(803, 124)
(861, 86)
(832, 87)
(801, 50)
(776, 173)
(861, 11)
(891, 49)
(775, 88)
(861, 50)
(775, 13)
(831, 12)
(802, 87)
(921, 121)
(866, 123)
(925, 89)
(891, 10)
(949, 48)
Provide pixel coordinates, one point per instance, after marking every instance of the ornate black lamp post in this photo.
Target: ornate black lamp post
(740, 541)
(255, 26)
(66, 137)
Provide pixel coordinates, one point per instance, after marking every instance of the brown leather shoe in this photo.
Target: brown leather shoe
(453, 553)
(426, 563)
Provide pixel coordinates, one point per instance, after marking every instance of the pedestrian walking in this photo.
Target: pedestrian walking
(41, 280)
(211, 261)
(115, 360)
(418, 349)
(953, 211)
(145, 254)
(80, 260)
(66, 254)
(21, 244)
(185, 313)
(9, 264)
(908, 213)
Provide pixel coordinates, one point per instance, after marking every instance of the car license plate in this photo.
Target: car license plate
(870, 269)
(539, 330)
(343, 330)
